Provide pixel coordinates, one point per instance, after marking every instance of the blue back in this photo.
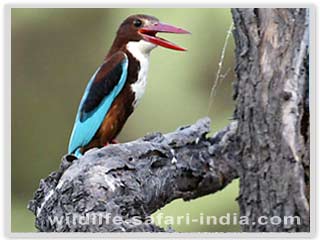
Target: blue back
(83, 132)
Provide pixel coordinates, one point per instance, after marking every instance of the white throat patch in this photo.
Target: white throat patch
(141, 51)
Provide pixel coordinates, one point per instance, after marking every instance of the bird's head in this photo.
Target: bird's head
(142, 29)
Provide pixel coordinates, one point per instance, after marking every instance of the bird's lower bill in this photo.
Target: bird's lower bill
(149, 34)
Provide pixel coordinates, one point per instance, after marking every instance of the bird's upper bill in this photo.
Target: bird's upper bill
(149, 34)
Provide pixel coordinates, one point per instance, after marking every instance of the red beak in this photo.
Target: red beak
(149, 34)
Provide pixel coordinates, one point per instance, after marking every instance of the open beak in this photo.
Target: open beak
(149, 34)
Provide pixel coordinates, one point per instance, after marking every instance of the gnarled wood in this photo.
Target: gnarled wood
(271, 99)
(137, 178)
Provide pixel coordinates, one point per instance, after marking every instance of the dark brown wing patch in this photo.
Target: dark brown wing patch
(105, 81)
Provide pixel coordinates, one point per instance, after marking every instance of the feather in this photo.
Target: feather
(102, 89)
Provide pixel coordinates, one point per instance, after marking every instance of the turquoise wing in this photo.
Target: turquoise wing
(102, 89)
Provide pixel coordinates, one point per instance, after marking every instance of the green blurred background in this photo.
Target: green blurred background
(54, 53)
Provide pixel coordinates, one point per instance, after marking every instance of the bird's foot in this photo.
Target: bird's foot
(113, 141)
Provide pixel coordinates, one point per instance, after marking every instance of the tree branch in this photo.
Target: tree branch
(136, 178)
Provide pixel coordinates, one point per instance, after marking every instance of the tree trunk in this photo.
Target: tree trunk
(271, 94)
(266, 146)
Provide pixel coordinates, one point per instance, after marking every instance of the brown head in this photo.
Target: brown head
(144, 28)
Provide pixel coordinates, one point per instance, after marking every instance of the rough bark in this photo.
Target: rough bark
(272, 110)
(267, 146)
(136, 179)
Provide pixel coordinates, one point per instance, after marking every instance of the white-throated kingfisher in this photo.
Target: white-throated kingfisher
(118, 84)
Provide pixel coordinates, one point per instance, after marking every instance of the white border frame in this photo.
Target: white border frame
(6, 123)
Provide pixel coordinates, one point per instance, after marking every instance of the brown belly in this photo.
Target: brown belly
(114, 120)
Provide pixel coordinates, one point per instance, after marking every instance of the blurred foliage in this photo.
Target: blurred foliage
(54, 53)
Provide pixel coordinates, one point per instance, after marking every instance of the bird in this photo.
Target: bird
(117, 86)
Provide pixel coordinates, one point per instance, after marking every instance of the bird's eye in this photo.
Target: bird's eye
(137, 23)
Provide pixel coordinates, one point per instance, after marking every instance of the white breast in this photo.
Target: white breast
(141, 51)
